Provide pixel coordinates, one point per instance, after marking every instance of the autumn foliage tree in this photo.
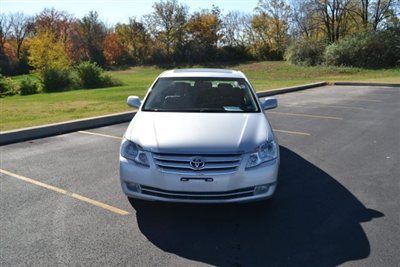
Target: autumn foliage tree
(271, 24)
(113, 50)
(136, 40)
(169, 35)
(48, 57)
(203, 29)
(53, 21)
(91, 34)
(167, 27)
(47, 52)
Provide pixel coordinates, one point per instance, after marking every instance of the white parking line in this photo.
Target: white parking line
(322, 106)
(67, 193)
(103, 135)
(368, 100)
(304, 115)
(291, 132)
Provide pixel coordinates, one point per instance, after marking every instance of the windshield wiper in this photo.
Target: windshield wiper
(156, 110)
(211, 110)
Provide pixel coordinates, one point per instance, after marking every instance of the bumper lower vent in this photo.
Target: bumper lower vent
(239, 193)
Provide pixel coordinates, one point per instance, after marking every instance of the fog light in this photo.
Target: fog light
(261, 189)
(134, 187)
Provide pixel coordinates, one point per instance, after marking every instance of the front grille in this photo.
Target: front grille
(213, 164)
(239, 193)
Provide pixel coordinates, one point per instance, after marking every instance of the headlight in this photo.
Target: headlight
(131, 151)
(265, 152)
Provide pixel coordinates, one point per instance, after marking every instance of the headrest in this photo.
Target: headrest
(203, 85)
(225, 86)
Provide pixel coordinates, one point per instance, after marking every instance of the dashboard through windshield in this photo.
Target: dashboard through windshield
(201, 95)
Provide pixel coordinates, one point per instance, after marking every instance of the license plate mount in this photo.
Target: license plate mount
(205, 179)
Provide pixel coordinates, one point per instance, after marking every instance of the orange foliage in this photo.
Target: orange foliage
(113, 49)
(9, 51)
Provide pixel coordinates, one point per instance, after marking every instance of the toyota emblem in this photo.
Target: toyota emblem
(197, 163)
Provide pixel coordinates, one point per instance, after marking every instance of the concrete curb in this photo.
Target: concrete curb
(290, 89)
(30, 133)
(47, 130)
(367, 84)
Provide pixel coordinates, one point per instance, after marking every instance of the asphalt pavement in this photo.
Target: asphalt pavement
(338, 200)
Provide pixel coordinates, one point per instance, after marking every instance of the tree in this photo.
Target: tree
(236, 29)
(166, 24)
(373, 12)
(21, 27)
(334, 15)
(74, 46)
(54, 21)
(91, 34)
(64, 27)
(135, 39)
(113, 49)
(305, 22)
(380, 12)
(47, 52)
(203, 29)
(5, 26)
(271, 24)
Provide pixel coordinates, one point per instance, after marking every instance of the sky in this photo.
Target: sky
(112, 12)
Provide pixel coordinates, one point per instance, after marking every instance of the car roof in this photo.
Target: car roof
(214, 73)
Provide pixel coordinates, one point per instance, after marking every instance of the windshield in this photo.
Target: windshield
(201, 95)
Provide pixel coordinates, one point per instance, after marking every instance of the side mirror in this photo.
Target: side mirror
(134, 101)
(269, 103)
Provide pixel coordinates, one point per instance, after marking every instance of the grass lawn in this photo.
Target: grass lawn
(24, 111)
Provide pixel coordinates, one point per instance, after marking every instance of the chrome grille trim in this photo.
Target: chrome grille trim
(208, 158)
(214, 164)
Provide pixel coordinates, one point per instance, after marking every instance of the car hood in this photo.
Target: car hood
(206, 133)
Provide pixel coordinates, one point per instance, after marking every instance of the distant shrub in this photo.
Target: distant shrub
(306, 52)
(371, 50)
(90, 75)
(28, 87)
(56, 80)
(12, 66)
(265, 52)
(109, 81)
(233, 53)
(8, 86)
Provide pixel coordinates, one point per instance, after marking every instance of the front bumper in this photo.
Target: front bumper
(151, 183)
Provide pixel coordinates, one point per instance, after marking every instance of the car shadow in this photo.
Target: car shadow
(312, 220)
